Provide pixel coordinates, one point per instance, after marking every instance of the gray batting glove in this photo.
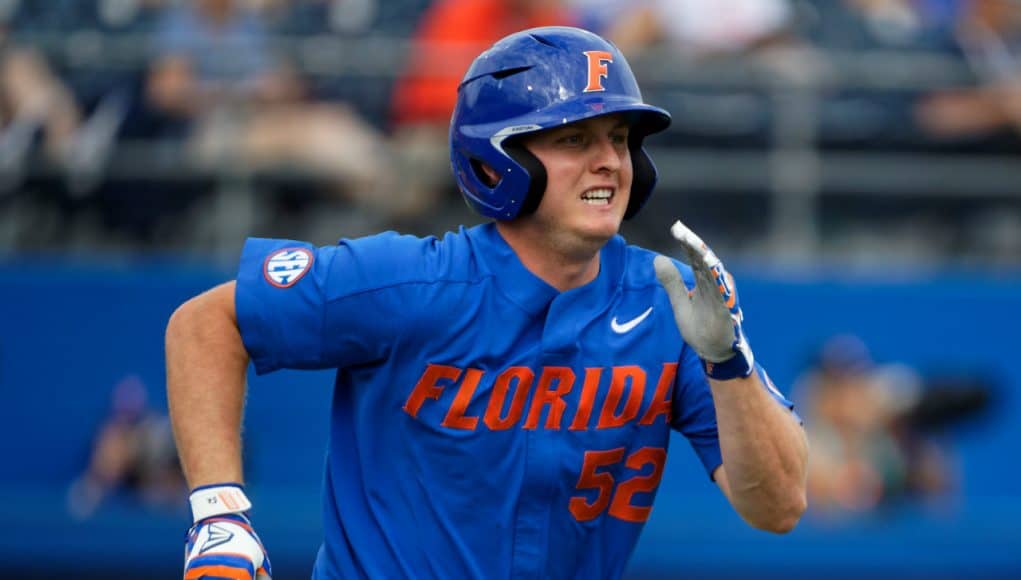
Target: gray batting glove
(709, 315)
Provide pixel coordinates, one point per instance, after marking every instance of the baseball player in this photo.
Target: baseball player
(504, 394)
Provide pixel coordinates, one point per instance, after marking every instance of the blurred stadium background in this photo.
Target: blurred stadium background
(853, 161)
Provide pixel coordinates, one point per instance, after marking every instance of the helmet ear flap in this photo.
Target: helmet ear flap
(536, 173)
(644, 180)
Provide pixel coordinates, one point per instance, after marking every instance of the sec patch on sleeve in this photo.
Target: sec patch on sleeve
(284, 268)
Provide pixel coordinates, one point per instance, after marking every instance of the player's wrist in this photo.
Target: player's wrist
(732, 368)
(740, 365)
(219, 499)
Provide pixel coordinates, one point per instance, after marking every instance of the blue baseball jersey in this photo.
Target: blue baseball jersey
(484, 424)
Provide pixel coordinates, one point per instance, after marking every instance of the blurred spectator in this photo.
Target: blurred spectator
(133, 453)
(320, 32)
(989, 33)
(701, 28)
(61, 119)
(449, 35)
(312, 17)
(34, 101)
(858, 25)
(879, 433)
(984, 32)
(865, 451)
(38, 107)
(216, 79)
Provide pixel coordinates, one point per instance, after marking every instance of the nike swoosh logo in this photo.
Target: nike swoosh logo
(627, 326)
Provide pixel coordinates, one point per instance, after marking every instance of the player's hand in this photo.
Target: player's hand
(709, 316)
(222, 543)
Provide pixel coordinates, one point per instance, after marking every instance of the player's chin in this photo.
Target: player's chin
(602, 229)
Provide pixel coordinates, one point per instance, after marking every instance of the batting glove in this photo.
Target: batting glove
(222, 543)
(709, 315)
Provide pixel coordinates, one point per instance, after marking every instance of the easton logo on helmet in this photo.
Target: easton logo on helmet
(597, 61)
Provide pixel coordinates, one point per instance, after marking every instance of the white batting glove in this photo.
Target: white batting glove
(222, 543)
(709, 315)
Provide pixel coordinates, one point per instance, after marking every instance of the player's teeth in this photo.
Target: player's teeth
(597, 196)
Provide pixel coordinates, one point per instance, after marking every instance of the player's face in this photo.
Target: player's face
(588, 178)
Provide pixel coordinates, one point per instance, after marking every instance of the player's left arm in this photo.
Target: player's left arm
(764, 454)
(763, 445)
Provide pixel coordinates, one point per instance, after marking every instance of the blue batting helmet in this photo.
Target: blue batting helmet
(533, 80)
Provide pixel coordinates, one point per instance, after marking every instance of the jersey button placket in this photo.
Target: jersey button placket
(531, 534)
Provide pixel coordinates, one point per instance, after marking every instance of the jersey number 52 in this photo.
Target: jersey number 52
(620, 505)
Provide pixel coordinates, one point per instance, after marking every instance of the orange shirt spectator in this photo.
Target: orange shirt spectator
(450, 34)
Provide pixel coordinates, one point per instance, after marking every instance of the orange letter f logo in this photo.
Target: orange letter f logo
(597, 60)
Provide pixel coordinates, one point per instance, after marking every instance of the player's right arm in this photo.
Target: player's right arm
(206, 366)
